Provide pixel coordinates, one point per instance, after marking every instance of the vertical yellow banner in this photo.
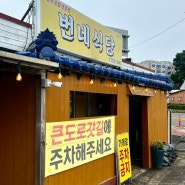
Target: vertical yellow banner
(123, 157)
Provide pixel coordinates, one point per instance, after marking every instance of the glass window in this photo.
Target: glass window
(179, 99)
(84, 104)
(158, 71)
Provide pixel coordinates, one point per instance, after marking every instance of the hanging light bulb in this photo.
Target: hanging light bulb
(19, 77)
(115, 84)
(146, 89)
(91, 80)
(155, 91)
(133, 87)
(59, 76)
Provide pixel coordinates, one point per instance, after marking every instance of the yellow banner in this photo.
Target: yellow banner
(80, 35)
(123, 157)
(73, 143)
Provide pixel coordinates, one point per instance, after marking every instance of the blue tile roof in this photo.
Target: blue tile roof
(130, 76)
(45, 45)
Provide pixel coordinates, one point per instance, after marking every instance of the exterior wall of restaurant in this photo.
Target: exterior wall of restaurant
(58, 109)
(157, 120)
(177, 97)
(17, 130)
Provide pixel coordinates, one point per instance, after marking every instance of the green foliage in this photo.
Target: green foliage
(178, 111)
(157, 145)
(176, 106)
(179, 76)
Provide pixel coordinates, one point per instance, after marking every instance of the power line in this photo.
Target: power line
(158, 34)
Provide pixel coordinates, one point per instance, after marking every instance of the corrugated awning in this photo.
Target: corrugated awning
(141, 91)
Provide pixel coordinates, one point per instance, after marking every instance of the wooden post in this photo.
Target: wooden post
(40, 132)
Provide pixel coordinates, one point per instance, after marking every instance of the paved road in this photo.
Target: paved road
(178, 119)
(178, 131)
(170, 175)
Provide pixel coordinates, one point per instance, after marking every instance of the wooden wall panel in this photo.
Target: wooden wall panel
(17, 128)
(57, 109)
(58, 99)
(157, 119)
(122, 118)
(157, 112)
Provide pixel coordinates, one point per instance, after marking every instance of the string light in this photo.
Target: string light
(133, 87)
(91, 80)
(19, 77)
(59, 76)
(115, 84)
(146, 89)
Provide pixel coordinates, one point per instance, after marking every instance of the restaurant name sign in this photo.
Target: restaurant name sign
(77, 34)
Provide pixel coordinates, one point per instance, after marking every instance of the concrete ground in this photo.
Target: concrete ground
(170, 175)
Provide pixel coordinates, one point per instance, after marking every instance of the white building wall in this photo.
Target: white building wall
(160, 67)
(14, 36)
(130, 66)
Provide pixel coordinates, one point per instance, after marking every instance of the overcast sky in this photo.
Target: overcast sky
(156, 28)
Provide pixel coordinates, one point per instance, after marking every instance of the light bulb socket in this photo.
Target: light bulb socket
(19, 68)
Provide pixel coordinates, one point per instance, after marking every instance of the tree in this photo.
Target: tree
(179, 76)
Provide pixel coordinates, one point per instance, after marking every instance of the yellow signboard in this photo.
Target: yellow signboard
(73, 143)
(80, 35)
(123, 157)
